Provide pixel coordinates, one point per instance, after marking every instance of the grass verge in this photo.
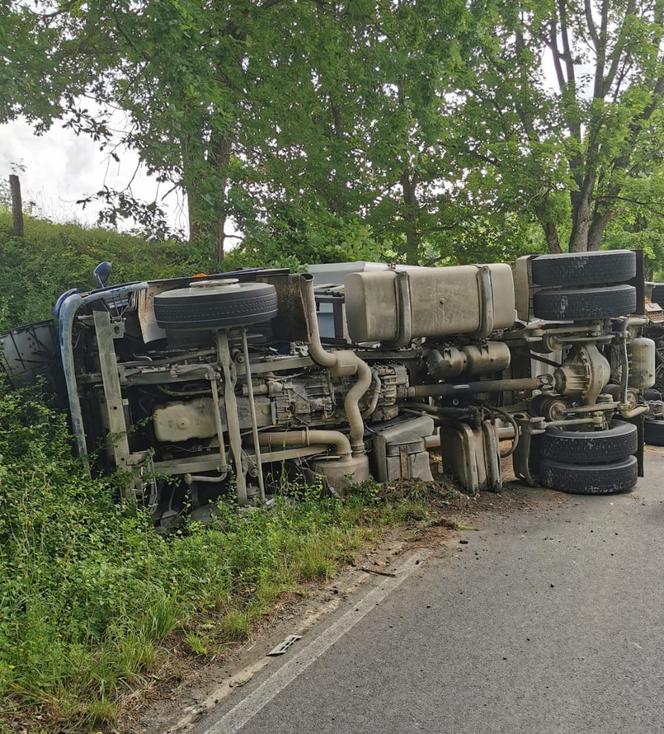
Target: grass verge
(88, 589)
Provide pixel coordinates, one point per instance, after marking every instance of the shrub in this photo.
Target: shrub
(51, 258)
(88, 588)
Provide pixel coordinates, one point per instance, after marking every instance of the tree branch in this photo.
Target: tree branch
(600, 64)
(553, 45)
(645, 204)
(591, 23)
(616, 53)
(567, 50)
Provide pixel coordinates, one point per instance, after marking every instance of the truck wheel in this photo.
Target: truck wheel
(657, 295)
(585, 303)
(653, 432)
(584, 268)
(216, 305)
(620, 476)
(589, 447)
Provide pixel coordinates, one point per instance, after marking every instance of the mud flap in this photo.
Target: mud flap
(472, 456)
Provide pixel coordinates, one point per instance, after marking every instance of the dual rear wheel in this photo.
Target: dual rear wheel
(584, 286)
(589, 462)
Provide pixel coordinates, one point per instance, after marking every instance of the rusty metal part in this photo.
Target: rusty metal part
(584, 375)
(340, 364)
(525, 384)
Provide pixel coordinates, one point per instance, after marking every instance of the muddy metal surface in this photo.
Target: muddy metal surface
(549, 619)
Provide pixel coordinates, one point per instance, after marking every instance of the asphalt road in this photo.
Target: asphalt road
(548, 621)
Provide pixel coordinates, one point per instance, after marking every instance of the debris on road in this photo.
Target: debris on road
(282, 647)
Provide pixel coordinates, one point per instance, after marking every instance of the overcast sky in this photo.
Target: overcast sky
(61, 167)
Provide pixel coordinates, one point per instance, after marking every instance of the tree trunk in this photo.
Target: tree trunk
(550, 230)
(204, 181)
(193, 162)
(194, 220)
(410, 210)
(597, 227)
(219, 158)
(204, 225)
(581, 214)
(552, 240)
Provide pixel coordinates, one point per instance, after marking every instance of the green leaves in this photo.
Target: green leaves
(579, 125)
(418, 119)
(89, 590)
(333, 111)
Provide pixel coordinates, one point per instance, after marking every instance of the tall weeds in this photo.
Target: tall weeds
(88, 589)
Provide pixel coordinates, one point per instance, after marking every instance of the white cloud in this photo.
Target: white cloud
(61, 167)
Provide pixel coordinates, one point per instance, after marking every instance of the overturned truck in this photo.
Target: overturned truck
(204, 386)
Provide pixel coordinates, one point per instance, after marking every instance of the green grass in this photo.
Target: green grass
(51, 258)
(91, 597)
(89, 591)
(196, 642)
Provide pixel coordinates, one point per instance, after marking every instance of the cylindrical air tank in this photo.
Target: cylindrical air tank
(641, 353)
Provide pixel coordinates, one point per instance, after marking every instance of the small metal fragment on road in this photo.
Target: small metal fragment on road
(281, 648)
(379, 573)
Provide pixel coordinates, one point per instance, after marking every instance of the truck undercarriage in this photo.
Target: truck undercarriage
(200, 387)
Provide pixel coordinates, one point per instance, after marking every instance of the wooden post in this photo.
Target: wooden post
(17, 204)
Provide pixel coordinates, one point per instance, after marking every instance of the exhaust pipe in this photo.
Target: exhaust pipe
(340, 364)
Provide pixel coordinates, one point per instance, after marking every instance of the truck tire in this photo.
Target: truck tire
(584, 268)
(657, 295)
(216, 306)
(652, 394)
(653, 431)
(580, 304)
(620, 476)
(589, 447)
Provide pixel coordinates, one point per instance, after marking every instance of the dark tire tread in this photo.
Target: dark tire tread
(579, 304)
(584, 268)
(590, 447)
(653, 432)
(657, 295)
(590, 479)
(189, 309)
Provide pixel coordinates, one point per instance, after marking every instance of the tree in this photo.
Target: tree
(368, 126)
(178, 70)
(369, 137)
(638, 220)
(562, 96)
(279, 113)
(416, 129)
